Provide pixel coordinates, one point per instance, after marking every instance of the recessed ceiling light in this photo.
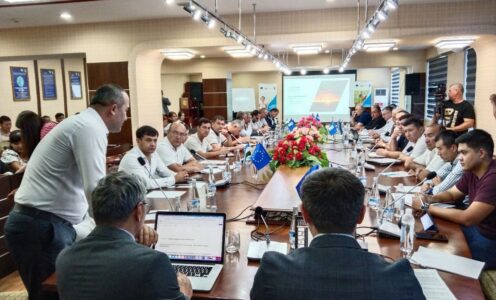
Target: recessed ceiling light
(327, 51)
(237, 52)
(395, 48)
(178, 54)
(454, 43)
(202, 56)
(378, 46)
(169, 2)
(66, 16)
(306, 49)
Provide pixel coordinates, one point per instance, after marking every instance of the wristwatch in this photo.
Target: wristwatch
(425, 206)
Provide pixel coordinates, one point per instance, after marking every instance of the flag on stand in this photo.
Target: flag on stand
(317, 117)
(291, 124)
(340, 125)
(300, 183)
(260, 158)
(333, 128)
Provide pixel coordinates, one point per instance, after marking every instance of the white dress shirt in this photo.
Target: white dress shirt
(247, 129)
(430, 159)
(214, 138)
(386, 131)
(65, 167)
(170, 155)
(419, 147)
(193, 143)
(153, 169)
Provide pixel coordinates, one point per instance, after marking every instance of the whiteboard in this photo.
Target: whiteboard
(243, 99)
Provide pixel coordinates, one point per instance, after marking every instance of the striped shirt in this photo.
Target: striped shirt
(450, 173)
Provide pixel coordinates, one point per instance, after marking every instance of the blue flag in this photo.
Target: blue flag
(333, 129)
(300, 183)
(340, 125)
(291, 124)
(317, 117)
(260, 158)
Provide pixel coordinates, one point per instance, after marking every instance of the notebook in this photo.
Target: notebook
(194, 243)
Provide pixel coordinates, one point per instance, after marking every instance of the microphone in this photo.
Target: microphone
(429, 176)
(409, 149)
(387, 134)
(197, 154)
(259, 213)
(142, 162)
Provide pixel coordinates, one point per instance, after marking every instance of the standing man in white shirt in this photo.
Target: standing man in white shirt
(154, 173)
(199, 143)
(56, 189)
(174, 154)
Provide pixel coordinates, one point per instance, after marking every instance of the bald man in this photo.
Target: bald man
(173, 152)
(458, 114)
(360, 118)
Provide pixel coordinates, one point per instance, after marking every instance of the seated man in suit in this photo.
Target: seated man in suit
(174, 154)
(153, 172)
(109, 263)
(334, 266)
(199, 143)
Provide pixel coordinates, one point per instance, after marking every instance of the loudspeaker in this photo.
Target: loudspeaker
(414, 84)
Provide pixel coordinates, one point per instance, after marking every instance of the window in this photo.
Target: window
(437, 73)
(470, 70)
(395, 86)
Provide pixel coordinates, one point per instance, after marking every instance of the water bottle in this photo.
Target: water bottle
(237, 163)
(389, 209)
(226, 175)
(353, 161)
(399, 206)
(359, 143)
(346, 142)
(194, 202)
(375, 197)
(407, 237)
(292, 230)
(211, 189)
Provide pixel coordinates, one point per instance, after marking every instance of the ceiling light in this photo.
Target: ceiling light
(303, 72)
(169, 2)
(287, 72)
(395, 48)
(202, 56)
(253, 51)
(454, 43)
(392, 4)
(260, 55)
(189, 8)
(178, 54)
(66, 16)
(240, 39)
(211, 23)
(266, 56)
(197, 15)
(306, 49)
(278, 64)
(341, 69)
(327, 51)
(365, 34)
(371, 28)
(382, 15)
(248, 47)
(326, 71)
(237, 52)
(378, 46)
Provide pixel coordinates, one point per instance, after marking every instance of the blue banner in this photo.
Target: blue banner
(20, 83)
(48, 84)
(75, 80)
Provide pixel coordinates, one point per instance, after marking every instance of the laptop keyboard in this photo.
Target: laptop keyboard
(193, 271)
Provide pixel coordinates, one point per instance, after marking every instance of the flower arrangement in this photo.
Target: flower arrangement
(299, 149)
(313, 127)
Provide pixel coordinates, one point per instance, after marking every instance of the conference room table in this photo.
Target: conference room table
(237, 275)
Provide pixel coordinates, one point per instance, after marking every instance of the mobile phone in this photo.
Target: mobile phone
(435, 236)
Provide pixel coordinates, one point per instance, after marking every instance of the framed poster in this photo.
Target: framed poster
(20, 83)
(76, 89)
(48, 85)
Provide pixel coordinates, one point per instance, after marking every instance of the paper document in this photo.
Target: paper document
(169, 194)
(407, 197)
(409, 188)
(375, 155)
(433, 285)
(257, 249)
(397, 174)
(442, 260)
(382, 161)
(215, 171)
(212, 162)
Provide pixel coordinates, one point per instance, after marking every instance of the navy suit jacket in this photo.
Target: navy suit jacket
(333, 267)
(109, 264)
(271, 122)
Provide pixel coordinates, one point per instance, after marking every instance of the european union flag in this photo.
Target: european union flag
(260, 158)
(300, 183)
(291, 124)
(317, 117)
(333, 129)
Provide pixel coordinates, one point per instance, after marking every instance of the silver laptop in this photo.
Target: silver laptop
(194, 243)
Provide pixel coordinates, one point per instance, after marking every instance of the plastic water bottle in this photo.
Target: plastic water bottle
(346, 142)
(211, 189)
(292, 229)
(237, 163)
(375, 197)
(407, 233)
(194, 202)
(389, 209)
(226, 175)
(399, 206)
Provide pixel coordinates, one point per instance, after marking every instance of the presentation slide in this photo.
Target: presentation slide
(330, 96)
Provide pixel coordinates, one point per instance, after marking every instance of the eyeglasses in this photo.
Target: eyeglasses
(147, 206)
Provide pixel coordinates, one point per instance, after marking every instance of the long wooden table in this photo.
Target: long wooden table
(237, 276)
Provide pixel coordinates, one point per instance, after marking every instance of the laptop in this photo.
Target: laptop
(194, 243)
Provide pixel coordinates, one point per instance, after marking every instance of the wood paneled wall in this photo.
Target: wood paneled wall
(214, 97)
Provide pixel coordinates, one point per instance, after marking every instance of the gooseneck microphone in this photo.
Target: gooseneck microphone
(429, 176)
(259, 213)
(197, 154)
(142, 162)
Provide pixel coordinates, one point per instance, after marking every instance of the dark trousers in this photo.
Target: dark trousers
(35, 240)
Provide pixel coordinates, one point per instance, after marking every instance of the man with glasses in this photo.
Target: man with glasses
(109, 263)
(174, 154)
(198, 141)
(154, 172)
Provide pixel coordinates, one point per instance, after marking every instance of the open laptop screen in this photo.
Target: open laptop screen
(191, 237)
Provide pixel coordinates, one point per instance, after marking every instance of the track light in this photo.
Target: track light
(365, 34)
(211, 23)
(382, 15)
(197, 15)
(392, 4)
(240, 39)
(371, 28)
(341, 69)
(266, 56)
(326, 71)
(303, 72)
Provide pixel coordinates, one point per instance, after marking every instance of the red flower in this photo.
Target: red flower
(290, 156)
(301, 146)
(290, 136)
(299, 156)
